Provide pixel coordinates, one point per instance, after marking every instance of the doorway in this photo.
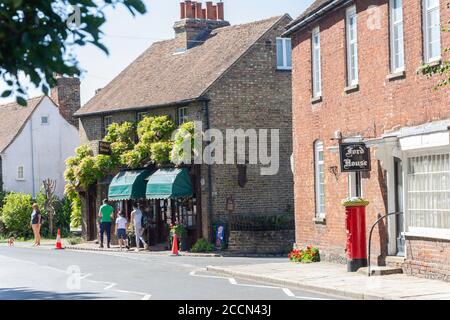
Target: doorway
(399, 207)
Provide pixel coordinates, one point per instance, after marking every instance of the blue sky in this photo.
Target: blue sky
(127, 37)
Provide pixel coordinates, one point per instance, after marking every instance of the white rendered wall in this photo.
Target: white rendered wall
(42, 150)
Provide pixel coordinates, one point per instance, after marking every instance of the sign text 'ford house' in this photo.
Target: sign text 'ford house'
(354, 157)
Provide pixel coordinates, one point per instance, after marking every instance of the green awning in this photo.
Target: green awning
(127, 185)
(169, 183)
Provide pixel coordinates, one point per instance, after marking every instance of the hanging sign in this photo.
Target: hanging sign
(104, 148)
(354, 157)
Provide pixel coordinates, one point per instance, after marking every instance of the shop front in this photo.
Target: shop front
(417, 165)
(165, 197)
(170, 192)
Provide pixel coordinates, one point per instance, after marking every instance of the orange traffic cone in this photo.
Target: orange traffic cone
(58, 240)
(175, 245)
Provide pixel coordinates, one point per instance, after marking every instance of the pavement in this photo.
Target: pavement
(28, 272)
(330, 278)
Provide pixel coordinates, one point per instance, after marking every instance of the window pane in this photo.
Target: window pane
(280, 56)
(289, 52)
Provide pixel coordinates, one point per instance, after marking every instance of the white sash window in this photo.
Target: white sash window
(428, 194)
(397, 45)
(431, 30)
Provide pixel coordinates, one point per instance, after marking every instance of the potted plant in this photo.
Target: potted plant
(181, 232)
(131, 235)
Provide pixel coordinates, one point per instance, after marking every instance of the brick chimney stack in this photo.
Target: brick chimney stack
(197, 22)
(66, 94)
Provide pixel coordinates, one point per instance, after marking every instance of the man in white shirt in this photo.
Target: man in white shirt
(136, 218)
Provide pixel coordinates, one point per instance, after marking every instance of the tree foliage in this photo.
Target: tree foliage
(16, 214)
(37, 37)
(148, 143)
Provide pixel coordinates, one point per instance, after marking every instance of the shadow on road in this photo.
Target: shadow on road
(22, 293)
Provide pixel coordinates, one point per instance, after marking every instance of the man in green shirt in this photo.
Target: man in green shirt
(105, 215)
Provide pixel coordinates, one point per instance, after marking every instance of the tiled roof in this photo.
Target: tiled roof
(160, 77)
(313, 8)
(12, 119)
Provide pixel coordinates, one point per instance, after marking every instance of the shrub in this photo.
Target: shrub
(202, 246)
(16, 214)
(75, 214)
(308, 255)
(74, 240)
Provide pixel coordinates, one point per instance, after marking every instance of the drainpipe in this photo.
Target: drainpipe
(32, 158)
(210, 201)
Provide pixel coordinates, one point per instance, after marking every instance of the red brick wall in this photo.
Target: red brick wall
(379, 105)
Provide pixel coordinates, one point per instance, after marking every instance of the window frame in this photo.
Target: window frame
(20, 169)
(426, 41)
(319, 147)
(392, 25)
(285, 65)
(45, 123)
(316, 54)
(184, 118)
(410, 227)
(350, 13)
(105, 125)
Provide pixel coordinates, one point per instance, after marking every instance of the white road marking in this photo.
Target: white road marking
(109, 286)
(233, 281)
(288, 292)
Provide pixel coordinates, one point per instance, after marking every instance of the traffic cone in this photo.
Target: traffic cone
(58, 240)
(175, 245)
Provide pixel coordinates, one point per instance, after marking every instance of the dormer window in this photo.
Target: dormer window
(284, 54)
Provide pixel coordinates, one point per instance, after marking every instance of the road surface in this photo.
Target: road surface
(44, 273)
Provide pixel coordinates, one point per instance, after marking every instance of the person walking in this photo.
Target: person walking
(106, 215)
(121, 230)
(136, 218)
(35, 223)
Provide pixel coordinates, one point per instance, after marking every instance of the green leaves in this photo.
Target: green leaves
(38, 38)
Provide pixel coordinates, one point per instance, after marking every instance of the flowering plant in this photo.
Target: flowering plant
(355, 202)
(308, 255)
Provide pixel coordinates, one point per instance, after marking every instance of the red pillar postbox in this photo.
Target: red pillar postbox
(356, 237)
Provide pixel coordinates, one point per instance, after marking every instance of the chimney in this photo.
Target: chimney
(197, 22)
(66, 95)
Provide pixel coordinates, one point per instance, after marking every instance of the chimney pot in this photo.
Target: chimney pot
(198, 11)
(215, 12)
(209, 10)
(182, 10)
(220, 11)
(189, 12)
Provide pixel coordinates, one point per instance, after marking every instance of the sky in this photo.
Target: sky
(127, 37)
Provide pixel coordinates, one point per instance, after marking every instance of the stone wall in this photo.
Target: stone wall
(263, 242)
(254, 94)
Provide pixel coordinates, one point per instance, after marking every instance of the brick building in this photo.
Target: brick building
(355, 79)
(227, 77)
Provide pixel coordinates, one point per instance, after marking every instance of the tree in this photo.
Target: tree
(37, 37)
(50, 200)
(442, 69)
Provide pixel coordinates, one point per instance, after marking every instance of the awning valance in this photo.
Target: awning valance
(169, 184)
(127, 185)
